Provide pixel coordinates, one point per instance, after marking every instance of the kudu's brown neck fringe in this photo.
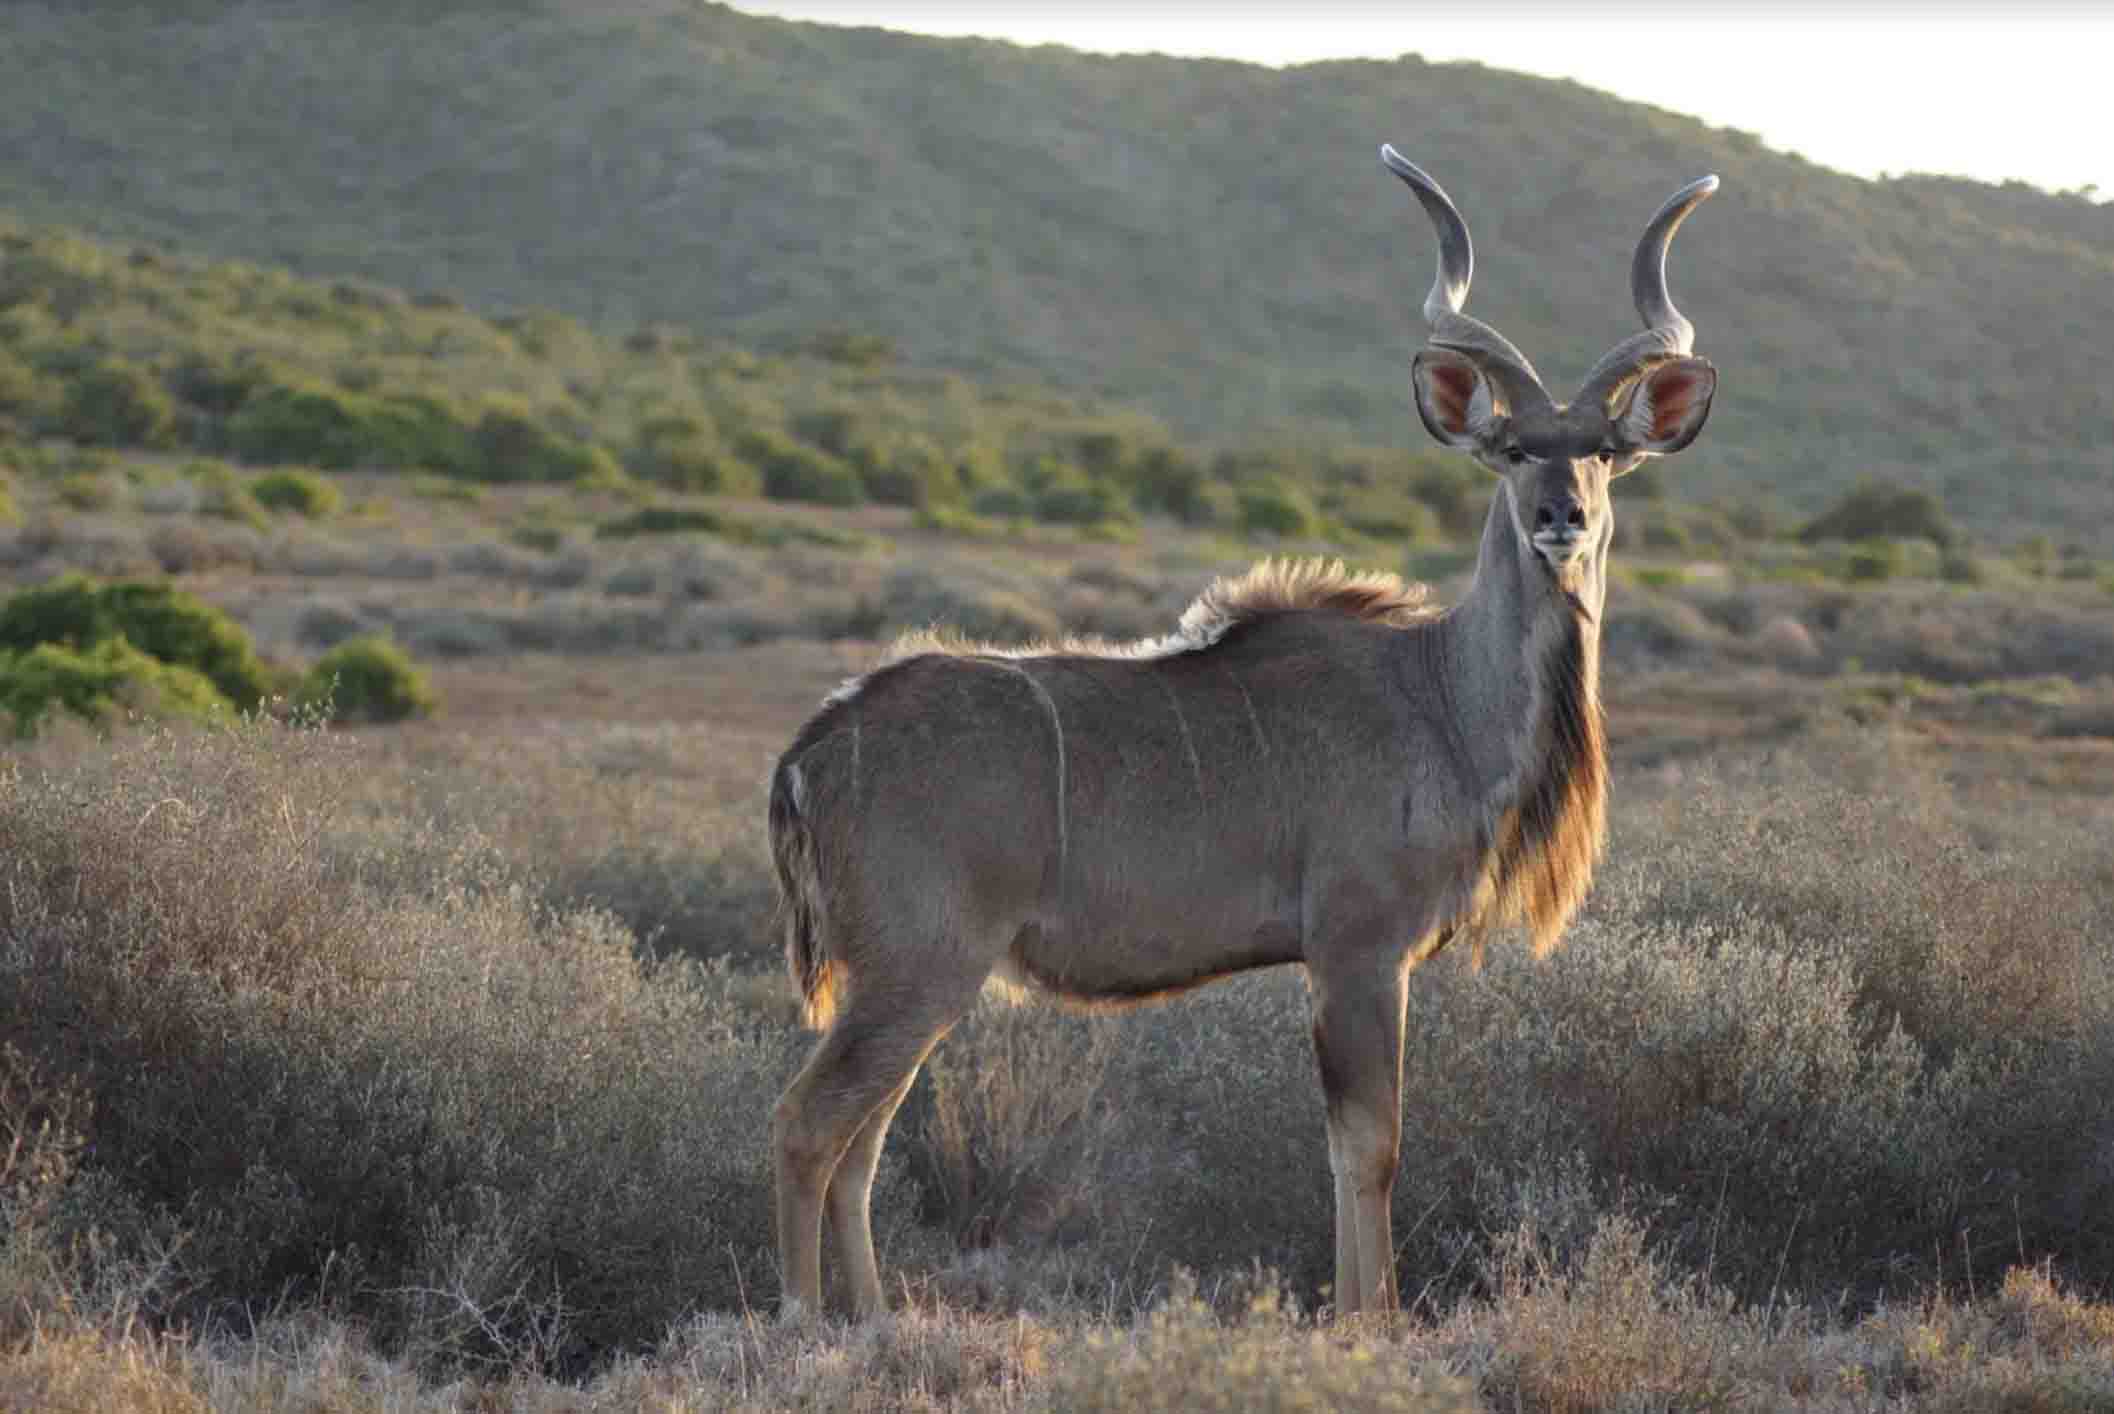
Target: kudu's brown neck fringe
(1549, 840)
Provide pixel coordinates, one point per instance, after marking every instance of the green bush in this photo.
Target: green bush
(1170, 481)
(1643, 483)
(1875, 560)
(545, 538)
(852, 348)
(1276, 508)
(793, 471)
(304, 493)
(833, 429)
(1069, 501)
(1664, 533)
(1002, 503)
(512, 444)
(113, 403)
(216, 386)
(8, 514)
(1106, 453)
(2035, 555)
(303, 421)
(910, 472)
(447, 489)
(2077, 564)
(661, 520)
(1457, 492)
(367, 679)
(222, 492)
(953, 520)
(97, 684)
(290, 423)
(1961, 567)
(1879, 510)
(683, 452)
(24, 392)
(166, 624)
(978, 465)
(88, 491)
(1400, 520)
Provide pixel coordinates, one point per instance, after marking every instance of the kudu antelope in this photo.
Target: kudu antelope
(1314, 768)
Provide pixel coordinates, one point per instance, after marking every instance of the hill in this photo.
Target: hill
(1213, 242)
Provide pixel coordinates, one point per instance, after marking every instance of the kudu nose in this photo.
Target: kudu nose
(1564, 511)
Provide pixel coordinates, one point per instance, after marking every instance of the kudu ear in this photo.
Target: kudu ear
(1663, 410)
(1453, 397)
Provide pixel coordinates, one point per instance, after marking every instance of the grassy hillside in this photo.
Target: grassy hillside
(1212, 241)
(147, 350)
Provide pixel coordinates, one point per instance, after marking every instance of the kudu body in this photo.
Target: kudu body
(1316, 768)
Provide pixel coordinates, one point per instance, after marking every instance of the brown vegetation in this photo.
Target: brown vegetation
(428, 1065)
(1780, 1062)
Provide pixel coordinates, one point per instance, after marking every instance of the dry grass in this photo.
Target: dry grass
(90, 1372)
(381, 1078)
(1613, 1329)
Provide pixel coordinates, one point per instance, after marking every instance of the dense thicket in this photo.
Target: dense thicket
(140, 352)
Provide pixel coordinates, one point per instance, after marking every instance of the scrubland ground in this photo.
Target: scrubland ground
(430, 1067)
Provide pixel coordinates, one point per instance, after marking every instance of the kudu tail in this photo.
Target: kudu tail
(800, 899)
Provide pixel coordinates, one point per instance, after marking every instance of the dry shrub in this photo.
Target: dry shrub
(1975, 936)
(1611, 1327)
(342, 1061)
(1786, 640)
(1009, 1129)
(917, 1360)
(1974, 635)
(2032, 1347)
(1618, 1324)
(196, 546)
(41, 1126)
(481, 1126)
(301, 1362)
(661, 826)
(2034, 1310)
(1711, 1071)
(1183, 1357)
(40, 1144)
(1822, 1025)
(1220, 1158)
(93, 1372)
(1650, 628)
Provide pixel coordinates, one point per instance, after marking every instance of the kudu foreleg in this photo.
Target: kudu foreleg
(1358, 1048)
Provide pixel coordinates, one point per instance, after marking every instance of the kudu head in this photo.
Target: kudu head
(1646, 397)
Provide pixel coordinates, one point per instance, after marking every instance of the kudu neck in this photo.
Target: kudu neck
(1513, 585)
(1498, 638)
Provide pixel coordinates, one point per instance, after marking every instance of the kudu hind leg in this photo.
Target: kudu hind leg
(1358, 1048)
(860, 1066)
(850, 1207)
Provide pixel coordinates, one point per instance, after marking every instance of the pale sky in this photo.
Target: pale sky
(1994, 91)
